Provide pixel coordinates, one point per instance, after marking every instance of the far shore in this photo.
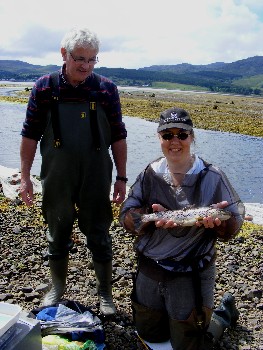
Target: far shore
(210, 111)
(228, 113)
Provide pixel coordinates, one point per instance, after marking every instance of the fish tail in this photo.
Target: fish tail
(137, 218)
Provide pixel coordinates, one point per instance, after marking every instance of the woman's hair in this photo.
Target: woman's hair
(80, 37)
(193, 135)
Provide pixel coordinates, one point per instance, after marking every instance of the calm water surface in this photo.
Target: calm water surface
(239, 156)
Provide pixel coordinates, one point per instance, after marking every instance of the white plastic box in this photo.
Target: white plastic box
(24, 334)
(9, 315)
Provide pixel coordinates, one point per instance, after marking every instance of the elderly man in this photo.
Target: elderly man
(76, 116)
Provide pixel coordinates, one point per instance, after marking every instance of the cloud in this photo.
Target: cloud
(34, 41)
(137, 33)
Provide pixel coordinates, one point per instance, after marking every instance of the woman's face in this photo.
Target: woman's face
(174, 148)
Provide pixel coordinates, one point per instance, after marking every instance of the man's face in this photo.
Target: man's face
(79, 64)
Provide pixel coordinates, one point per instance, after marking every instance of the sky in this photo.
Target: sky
(135, 33)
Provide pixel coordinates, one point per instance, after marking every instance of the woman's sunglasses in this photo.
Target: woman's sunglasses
(168, 136)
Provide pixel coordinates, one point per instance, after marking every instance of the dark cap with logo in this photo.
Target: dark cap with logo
(175, 118)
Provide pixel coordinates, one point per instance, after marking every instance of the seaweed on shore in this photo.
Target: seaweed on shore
(228, 113)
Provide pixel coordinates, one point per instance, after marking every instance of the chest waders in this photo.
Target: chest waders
(76, 171)
(153, 319)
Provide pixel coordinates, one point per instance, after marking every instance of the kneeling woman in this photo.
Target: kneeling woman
(173, 293)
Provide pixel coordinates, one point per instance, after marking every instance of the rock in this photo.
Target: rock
(4, 297)
(42, 288)
(27, 289)
(25, 278)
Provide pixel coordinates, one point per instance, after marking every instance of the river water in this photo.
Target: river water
(239, 156)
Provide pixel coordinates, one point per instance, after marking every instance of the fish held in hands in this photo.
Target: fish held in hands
(187, 217)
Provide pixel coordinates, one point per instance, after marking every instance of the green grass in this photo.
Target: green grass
(254, 82)
(175, 86)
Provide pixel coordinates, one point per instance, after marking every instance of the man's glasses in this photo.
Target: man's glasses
(82, 60)
(168, 136)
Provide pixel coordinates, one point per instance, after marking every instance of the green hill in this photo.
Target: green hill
(240, 77)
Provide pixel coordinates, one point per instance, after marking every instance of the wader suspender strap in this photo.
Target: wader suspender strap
(200, 322)
(54, 85)
(93, 114)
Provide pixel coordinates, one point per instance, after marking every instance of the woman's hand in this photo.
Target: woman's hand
(163, 223)
(208, 221)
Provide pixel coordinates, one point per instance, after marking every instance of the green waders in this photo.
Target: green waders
(154, 326)
(200, 331)
(58, 269)
(225, 316)
(78, 173)
(103, 273)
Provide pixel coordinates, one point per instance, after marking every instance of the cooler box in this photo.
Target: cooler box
(17, 331)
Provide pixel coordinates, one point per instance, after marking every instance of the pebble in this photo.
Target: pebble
(24, 277)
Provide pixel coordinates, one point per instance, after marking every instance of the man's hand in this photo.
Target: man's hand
(26, 192)
(27, 153)
(119, 192)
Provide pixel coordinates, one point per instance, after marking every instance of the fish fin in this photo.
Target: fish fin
(190, 206)
(138, 223)
(199, 218)
(189, 223)
(137, 217)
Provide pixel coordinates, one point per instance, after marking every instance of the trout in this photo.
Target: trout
(187, 217)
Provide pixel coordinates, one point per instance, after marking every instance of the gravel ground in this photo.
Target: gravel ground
(24, 276)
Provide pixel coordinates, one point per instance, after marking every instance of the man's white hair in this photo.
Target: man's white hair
(80, 37)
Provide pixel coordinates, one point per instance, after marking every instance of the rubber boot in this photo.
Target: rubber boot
(189, 334)
(225, 316)
(58, 270)
(151, 325)
(103, 272)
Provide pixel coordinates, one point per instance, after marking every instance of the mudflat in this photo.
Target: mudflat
(229, 113)
(211, 111)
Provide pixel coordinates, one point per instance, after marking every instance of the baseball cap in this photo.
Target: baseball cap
(175, 118)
